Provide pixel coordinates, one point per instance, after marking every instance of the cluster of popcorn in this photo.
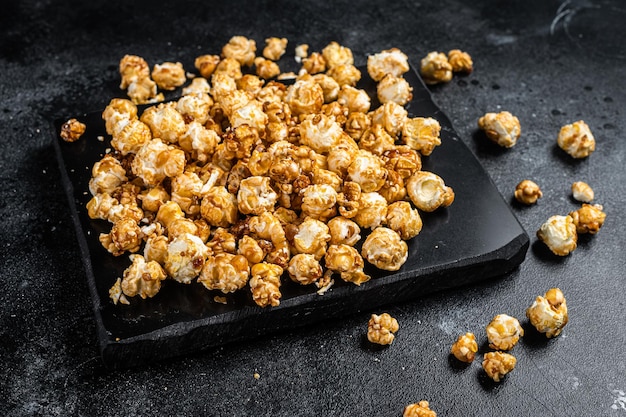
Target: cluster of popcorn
(244, 180)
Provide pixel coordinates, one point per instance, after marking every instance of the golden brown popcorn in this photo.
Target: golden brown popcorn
(230, 67)
(314, 63)
(132, 137)
(199, 141)
(222, 241)
(435, 68)
(527, 192)
(169, 75)
(357, 124)
(155, 248)
(305, 97)
(186, 256)
(320, 132)
(356, 100)
(392, 116)
(381, 329)
(372, 210)
(219, 207)
(402, 160)
(168, 213)
(265, 284)
(460, 61)
(346, 261)
(548, 314)
(301, 52)
(142, 278)
(395, 89)
(498, 364)
(198, 85)
(465, 347)
(117, 113)
(428, 191)
(589, 218)
(376, 140)
(225, 272)
(72, 130)
(274, 48)
(319, 201)
(116, 294)
(267, 226)
(251, 249)
(250, 83)
(206, 64)
(384, 249)
(577, 140)
(156, 160)
(312, 237)
(195, 107)
(266, 68)
(256, 196)
(559, 234)
(421, 134)
(394, 189)
(349, 199)
(186, 190)
(165, 122)
(106, 175)
(125, 236)
(330, 87)
(334, 54)
(133, 68)
(304, 269)
(403, 219)
(503, 332)
(153, 198)
(345, 74)
(501, 128)
(581, 191)
(240, 48)
(388, 62)
(222, 85)
(144, 91)
(421, 409)
(367, 170)
(343, 231)
(103, 206)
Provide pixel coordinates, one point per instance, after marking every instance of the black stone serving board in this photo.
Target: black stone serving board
(476, 238)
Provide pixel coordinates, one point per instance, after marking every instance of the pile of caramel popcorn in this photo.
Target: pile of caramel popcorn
(245, 179)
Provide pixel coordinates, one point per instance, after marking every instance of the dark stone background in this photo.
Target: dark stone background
(548, 62)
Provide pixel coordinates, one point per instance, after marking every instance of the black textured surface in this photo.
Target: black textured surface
(548, 62)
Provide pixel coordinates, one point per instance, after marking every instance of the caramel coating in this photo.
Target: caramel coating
(241, 49)
(428, 191)
(381, 329)
(501, 128)
(225, 272)
(185, 258)
(274, 48)
(588, 219)
(497, 364)
(346, 261)
(304, 269)
(206, 64)
(384, 249)
(460, 61)
(581, 191)
(265, 284)
(577, 140)
(435, 68)
(169, 75)
(548, 313)
(503, 332)
(528, 192)
(388, 62)
(465, 347)
(142, 278)
(72, 130)
(559, 234)
(421, 134)
(421, 409)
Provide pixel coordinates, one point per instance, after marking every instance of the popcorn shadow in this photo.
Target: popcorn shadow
(565, 158)
(370, 347)
(486, 147)
(543, 253)
(533, 340)
(457, 366)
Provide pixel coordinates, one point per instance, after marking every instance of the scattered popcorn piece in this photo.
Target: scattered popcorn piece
(132, 69)
(548, 314)
(404, 219)
(503, 332)
(559, 234)
(142, 278)
(185, 258)
(347, 261)
(581, 191)
(266, 68)
(225, 272)
(588, 219)
(343, 231)
(384, 249)
(421, 409)
(501, 128)
(302, 51)
(577, 140)
(169, 75)
(395, 89)
(428, 191)
(465, 347)
(460, 61)
(314, 63)
(206, 64)
(116, 294)
(304, 269)
(265, 284)
(125, 235)
(274, 48)
(421, 134)
(381, 329)
(527, 192)
(72, 130)
(498, 364)
(435, 68)
(107, 175)
(143, 91)
(388, 62)
(336, 55)
(240, 48)
(372, 210)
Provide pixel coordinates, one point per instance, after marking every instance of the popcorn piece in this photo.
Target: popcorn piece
(343, 231)
(186, 192)
(501, 128)
(581, 191)
(301, 52)
(206, 64)
(421, 409)
(155, 248)
(428, 191)
(169, 75)
(117, 113)
(222, 241)
(314, 63)
(186, 256)
(588, 219)
(357, 101)
(381, 329)
(305, 97)
(345, 74)
(527, 192)
(372, 210)
(274, 48)
(319, 201)
(388, 62)
(125, 235)
(230, 67)
(435, 68)
(384, 249)
(349, 199)
(330, 87)
(312, 237)
(153, 198)
(336, 55)
(144, 90)
(132, 137)
(395, 89)
(72, 130)
(548, 314)
(421, 134)
(403, 219)
(106, 175)
(267, 226)
(392, 116)
(367, 170)
(377, 140)
(195, 107)
(304, 269)
(559, 234)
(346, 261)
(256, 196)
(142, 278)
(403, 160)
(132, 69)
(219, 207)
(498, 364)
(265, 284)
(577, 140)
(165, 122)
(199, 141)
(320, 132)
(240, 48)
(251, 249)
(465, 347)
(225, 272)
(460, 61)
(503, 332)
(116, 294)
(156, 161)
(266, 68)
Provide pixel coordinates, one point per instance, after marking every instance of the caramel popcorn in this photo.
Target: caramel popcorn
(107, 174)
(388, 62)
(588, 219)
(185, 258)
(384, 249)
(548, 313)
(345, 74)
(132, 68)
(143, 91)
(367, 170)
(465, 347)
(72, 130)
(311, 238)
(346, 261)
(421, 134)
(357, 101)
(343, 231)
(255, 195)
(169, 75)
(314, 63)
(559, 234)
(165, 122)
(421, 409)
(392, 116)
(435, 68)
(156, 161)
(501, 128)
(266, 68)
(372, 210)
(304, 269)
(576, 139)
(265, 284)
(305, 97)
(527, 192)
(125, 235)
(319, 201)
(503, 332)
(240, 48)
(206, 64)
(428, 191)
(142, 278)
(335, 55)
(460, 61)
(581, 191)
(225, 272)
(381, 329)
(403, 219)
(395, 89)
(497, 364)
